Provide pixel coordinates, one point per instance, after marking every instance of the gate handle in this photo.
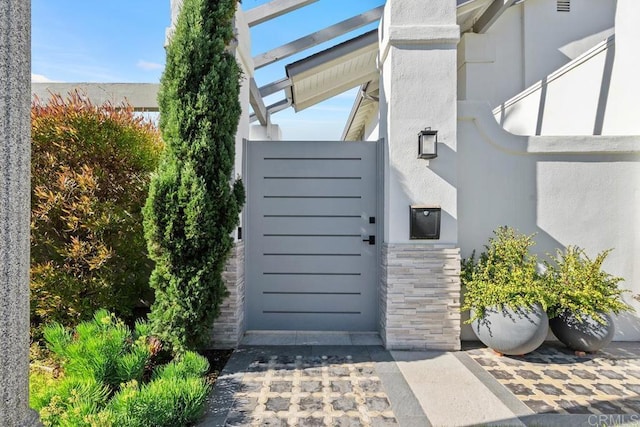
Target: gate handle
(371, 240)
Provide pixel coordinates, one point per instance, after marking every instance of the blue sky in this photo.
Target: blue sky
(122, 41)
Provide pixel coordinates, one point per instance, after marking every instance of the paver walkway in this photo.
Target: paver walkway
(553, 380)
(311, 391)
(365, 385)
(313, 386)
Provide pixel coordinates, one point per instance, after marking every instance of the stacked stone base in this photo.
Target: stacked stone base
(228, 328)
(420, 297)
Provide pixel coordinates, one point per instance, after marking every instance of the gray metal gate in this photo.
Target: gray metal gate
(311, 259)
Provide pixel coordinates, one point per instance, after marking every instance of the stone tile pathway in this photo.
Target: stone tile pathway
(311, 391)
(309, 386)
(324, 385)
(553, 380)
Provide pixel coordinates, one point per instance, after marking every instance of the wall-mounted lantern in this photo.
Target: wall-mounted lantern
(428, 144)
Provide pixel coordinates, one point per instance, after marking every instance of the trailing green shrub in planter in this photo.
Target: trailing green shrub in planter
(505, 294)
(584, 298)
(107, 376)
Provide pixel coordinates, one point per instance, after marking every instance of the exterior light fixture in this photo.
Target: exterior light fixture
(428, 144)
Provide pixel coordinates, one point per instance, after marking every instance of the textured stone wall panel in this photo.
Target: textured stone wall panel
(228, 328)
(420, 297)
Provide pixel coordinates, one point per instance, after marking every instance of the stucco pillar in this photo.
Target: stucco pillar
(15, 150)
(420, 288)
(621, 112)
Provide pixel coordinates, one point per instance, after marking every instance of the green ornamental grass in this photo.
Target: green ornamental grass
(107, 377)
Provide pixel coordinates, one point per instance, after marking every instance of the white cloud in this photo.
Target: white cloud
(149, 66)
(39, 78)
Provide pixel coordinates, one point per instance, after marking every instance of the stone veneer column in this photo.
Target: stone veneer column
(228, 328)
(15, 190)
(420, 297)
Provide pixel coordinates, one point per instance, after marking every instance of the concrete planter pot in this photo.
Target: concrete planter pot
(588, 335)
(513, 332)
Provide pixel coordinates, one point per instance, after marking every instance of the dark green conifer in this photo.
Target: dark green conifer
(194, 202)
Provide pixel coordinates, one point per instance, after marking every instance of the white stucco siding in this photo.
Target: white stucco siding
(528, 42)
(413, 181)
(622, 116)
(593, 203)
(490, 66)
(418, 90)
(531, 67)
(595, 94)
(552, 39)
(570, 101)
(567, 190)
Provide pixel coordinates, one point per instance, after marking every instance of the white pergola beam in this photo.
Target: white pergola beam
(491, 15)
(273, 108)
(256, 101)
(318, 37)
(141, 96)
(273, 87)
(273, 9)
(279, 106)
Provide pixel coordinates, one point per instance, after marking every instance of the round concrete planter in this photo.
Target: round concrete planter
(514, 332)
(588, 335)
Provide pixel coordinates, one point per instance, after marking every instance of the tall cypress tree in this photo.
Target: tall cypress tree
(194, 204)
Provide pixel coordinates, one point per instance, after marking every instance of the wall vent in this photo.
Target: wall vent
(564, 6)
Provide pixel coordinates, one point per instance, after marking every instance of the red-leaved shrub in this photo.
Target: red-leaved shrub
(91, 166)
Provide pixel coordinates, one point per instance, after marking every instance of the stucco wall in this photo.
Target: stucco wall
(569, 190)
(594, 94)
(569, 101)
(621, 115)
(557, 73)
(529, 41)
(490, 66)
(552, 38)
